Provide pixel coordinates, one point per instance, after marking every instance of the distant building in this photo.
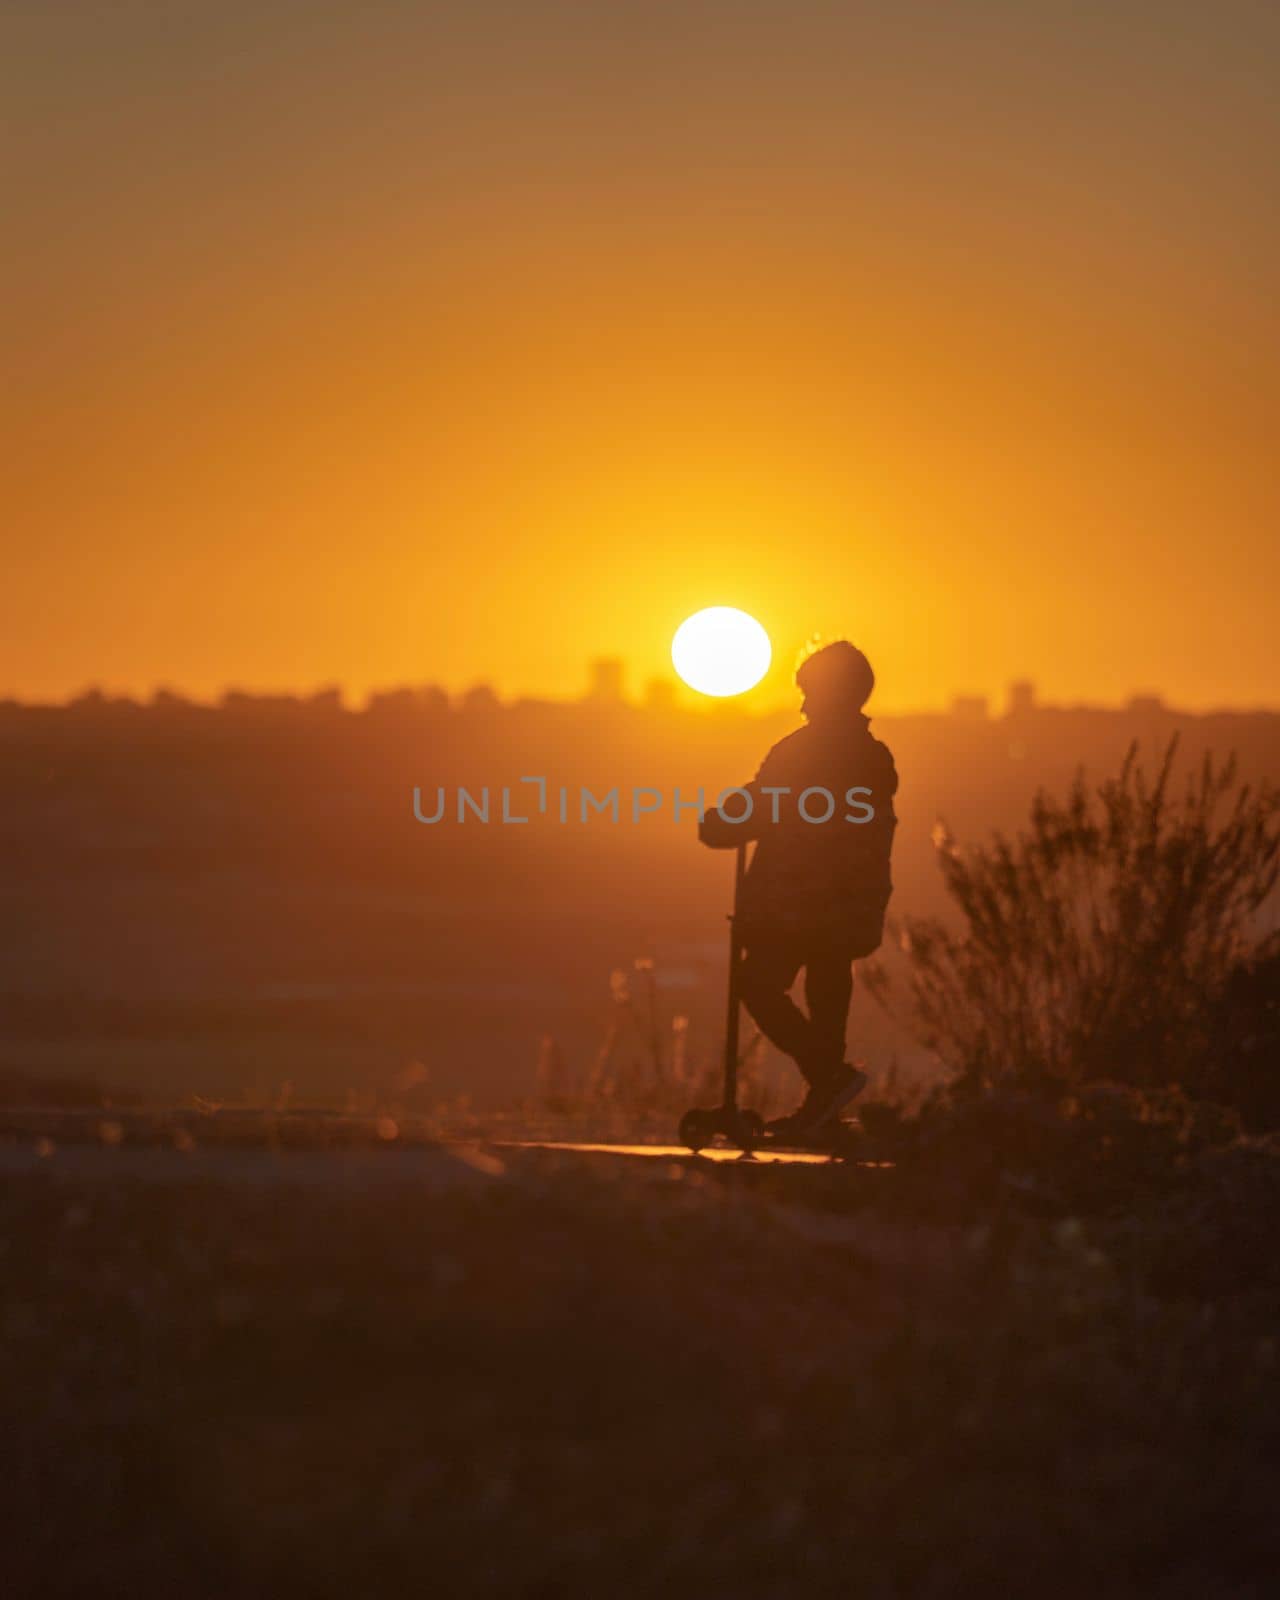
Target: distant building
(479, 701)
(390, 702)
(1022, 697)
(659, 694)
(407, 702)
(970, 707)
(1145, 705)
(606, 680)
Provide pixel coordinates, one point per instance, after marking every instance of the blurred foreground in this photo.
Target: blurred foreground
(1038, 1355)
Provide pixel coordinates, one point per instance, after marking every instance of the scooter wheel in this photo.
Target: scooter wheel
(698, 1129)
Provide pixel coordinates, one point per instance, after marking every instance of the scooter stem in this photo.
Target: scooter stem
(735, 963)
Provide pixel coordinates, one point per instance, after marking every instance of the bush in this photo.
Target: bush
(1106, 1147)
(1241, 1065)
(1098, 944)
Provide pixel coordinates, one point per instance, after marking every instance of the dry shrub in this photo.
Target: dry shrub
(1097, 943)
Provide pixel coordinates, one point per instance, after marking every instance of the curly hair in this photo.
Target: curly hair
(836, 674)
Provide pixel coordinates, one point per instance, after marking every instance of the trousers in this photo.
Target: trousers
(769, 967)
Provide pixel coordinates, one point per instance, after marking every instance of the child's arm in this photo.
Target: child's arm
(718, 829)
(719, 833)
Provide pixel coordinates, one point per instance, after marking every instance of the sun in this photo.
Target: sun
(721, 651)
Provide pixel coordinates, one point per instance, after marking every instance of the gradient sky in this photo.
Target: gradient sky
(381, 343)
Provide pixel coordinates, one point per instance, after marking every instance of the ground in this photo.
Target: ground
(482, 1370)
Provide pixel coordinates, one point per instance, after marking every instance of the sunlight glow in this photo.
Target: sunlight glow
(721, 651)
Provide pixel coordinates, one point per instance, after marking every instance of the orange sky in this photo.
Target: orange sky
(390, 343)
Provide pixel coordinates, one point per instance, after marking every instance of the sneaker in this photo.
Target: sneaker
(803, 1115)
(821, 1105)
(827, 1099)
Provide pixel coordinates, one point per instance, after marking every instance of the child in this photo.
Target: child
(815, 893)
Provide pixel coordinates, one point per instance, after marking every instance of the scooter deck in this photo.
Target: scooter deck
(845, 1143)
(793, 1155)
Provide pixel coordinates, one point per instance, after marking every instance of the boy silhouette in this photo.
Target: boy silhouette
(815, 893)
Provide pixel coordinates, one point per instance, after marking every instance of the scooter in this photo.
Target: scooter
(729, 1121)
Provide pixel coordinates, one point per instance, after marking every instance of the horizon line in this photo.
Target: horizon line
(674, 698)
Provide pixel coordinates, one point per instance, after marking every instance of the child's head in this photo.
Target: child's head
(835, 679)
